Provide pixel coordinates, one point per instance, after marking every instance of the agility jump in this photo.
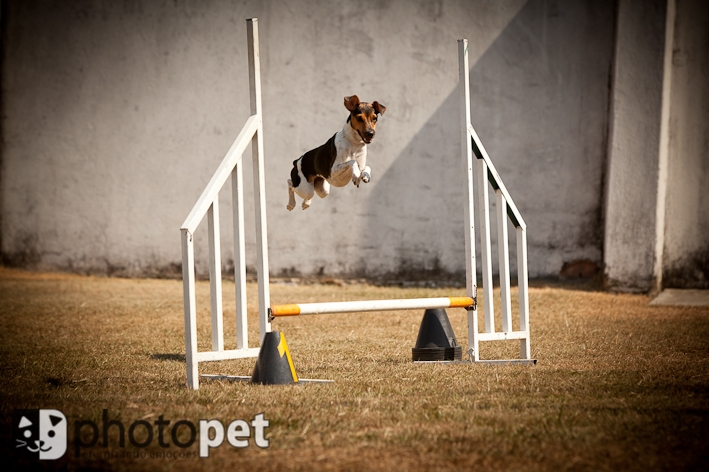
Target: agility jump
(231, 166)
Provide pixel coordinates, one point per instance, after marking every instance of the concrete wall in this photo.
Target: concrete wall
(632, 197)
(115, 115)
(657, 204)
(686, 242)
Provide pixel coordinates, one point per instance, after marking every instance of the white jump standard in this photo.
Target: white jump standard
(486, 172)
(479, 169)
(231, 166)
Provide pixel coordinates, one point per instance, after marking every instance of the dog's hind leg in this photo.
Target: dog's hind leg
(307, 202)
(300, 185)
(322, 187)
(306, 191)
(291, 196)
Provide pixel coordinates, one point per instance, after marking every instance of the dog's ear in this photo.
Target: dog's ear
(379, 108)
(351, 103)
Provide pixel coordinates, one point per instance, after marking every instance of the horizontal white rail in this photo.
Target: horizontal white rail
(371, 305)
(223, 172)
(502, 335)
(495, 178)
(227, 355)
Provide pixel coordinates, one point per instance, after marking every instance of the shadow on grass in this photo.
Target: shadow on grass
(584, 284)
(168, 357)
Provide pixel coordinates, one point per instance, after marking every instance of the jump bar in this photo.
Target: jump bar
(371, 305)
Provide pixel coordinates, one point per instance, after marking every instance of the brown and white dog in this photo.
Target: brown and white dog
(343, 158)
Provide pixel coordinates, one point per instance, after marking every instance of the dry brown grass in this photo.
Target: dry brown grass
(619, 385)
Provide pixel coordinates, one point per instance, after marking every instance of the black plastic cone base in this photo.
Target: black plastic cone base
(436, 340)
(274, 365)
(437, 354)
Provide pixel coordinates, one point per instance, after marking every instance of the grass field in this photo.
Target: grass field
(619, 385)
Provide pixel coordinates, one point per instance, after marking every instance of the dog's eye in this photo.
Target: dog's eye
(374, 118)
(359, 118)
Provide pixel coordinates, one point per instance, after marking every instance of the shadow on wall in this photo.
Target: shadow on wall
(416, 207)
(539, 103)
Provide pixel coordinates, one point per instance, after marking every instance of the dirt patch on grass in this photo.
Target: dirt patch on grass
(619, 385)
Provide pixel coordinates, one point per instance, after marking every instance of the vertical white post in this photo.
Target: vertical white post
(237, 198)
(664, 147)
(523, 285)
(259, 179)
(485, 245)
(504, 250)
(215, 276)
(469, 214)
(190, 310)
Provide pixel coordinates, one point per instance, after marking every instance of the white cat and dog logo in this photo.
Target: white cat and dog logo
(40, 434)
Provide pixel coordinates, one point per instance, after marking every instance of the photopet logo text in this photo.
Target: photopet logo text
(42, 434)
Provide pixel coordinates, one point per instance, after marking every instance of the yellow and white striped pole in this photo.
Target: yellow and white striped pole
(371, 305)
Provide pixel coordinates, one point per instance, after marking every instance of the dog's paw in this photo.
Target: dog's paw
(290, 207)
(366, 177)
(306, 204)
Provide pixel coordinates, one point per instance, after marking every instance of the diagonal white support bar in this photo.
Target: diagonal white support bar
(211, 191)
(495, 178)
(215, 276)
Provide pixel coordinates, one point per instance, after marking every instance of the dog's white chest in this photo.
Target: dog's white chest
(347, 151)
(350, 148)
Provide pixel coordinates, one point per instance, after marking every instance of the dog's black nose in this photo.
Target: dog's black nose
(369, 134)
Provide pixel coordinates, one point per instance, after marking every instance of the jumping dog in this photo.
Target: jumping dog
(343, 158)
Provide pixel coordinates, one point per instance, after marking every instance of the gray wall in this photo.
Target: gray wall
(631, 220)
(115, 116)
(686, 241)
(657, 203)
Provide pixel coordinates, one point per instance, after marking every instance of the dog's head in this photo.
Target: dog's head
(363, 116)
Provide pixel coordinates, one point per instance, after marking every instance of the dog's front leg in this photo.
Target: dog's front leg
(356, 174)
(366, 174)
(342, 174)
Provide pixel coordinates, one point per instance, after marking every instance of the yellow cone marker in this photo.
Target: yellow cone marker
(283, 348)
(274, 365)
